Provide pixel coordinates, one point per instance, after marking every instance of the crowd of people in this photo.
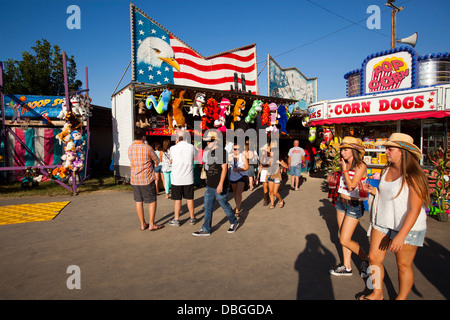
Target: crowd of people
(226, 167)
(397, 221)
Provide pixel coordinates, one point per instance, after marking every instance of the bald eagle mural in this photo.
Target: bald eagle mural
(159, 58)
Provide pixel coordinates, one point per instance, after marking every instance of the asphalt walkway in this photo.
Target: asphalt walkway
(278, 254)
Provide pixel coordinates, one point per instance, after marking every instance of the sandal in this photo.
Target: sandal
(271, 207)
(156, 227)
(281, 205)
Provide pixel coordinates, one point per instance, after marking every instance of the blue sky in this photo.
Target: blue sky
(321, 38)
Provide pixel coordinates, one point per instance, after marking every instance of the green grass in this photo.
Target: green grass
(51, 188)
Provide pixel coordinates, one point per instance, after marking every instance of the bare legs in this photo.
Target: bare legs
(151, 212)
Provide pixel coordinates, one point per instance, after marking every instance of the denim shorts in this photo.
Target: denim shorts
(355, 212)
(158, 169)
(414, 238)
(296, 170)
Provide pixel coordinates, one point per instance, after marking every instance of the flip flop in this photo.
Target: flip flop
(281, 205)
(156, 227)
(271, 207)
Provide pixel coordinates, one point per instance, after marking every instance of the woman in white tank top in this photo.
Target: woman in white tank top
(399, 221)
(238, 171)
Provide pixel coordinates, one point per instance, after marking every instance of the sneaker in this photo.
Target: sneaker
(341, 270)
(175, 223)
(193, 221)
(233, 227)
(201, 233)
(364, 266)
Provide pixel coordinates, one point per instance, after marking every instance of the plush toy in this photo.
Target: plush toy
(64, 134)
(254, 111)
(68, 158)
(312, 134)
(163, 101)
(77, 165)
(70, 146)
(149, 101)
(221, 120)
(179, 121)
(196, 107)
(291, 109)
(282, 118)
(77, 138)
(73, 120)
(327, 135)
(237, 111)
(265, 116)
(76, 107)
(63, 111)
(211, 111)
(59, 172)
(141, 116)
(273, 117)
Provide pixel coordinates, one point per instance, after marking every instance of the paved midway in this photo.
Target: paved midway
(278, 254)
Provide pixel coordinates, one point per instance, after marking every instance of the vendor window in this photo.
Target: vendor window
(434, 136)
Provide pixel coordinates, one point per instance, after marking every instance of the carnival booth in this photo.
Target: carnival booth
(45, 137)
(174, 87)
(395, 91)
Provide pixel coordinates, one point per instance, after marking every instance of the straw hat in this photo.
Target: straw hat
(402, 141)
(352, 143)
(212, 136)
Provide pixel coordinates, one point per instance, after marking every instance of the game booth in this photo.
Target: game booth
(175, 87)
(45, 137)
(394, 91)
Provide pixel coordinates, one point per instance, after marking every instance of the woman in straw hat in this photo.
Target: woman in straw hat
(398, 213)
(349, 207)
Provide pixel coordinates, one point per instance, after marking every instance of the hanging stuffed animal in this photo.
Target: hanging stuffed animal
(76, 107)
(265, 116)
(237, 112)
(211, 110)
(273, 117)
(254, 111)
(178, 121)
(221, 120)
(291, 109)
(327, 135)
(63, 111)
(196, 107)
(73, 120)
(150, 101)
(77, 138)
(141, 116)
(312, 134)
(163, 101)
(64, 133)
(282, 118)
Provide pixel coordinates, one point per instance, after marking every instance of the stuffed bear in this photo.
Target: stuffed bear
(223, 112)
(196, 107)
(141, 116)
(237, 112)
(73, 120)
(178, 120)
(282, 118)
(63, 111)
(254, 111)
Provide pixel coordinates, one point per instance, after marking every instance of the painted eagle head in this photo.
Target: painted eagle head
(154, 51)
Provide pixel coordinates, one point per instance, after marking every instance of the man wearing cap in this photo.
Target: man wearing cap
(216, 164)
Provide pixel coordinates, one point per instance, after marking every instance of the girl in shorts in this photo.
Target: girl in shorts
(398, 217)
(349, 207)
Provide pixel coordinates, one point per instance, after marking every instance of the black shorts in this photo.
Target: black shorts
(185, 191)
(146, 194)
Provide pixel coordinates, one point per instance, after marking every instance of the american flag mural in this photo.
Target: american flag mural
(159, 57)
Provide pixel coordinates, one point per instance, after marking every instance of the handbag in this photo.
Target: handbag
(203, 173)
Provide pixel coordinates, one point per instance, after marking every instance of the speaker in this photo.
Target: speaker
(411, 40)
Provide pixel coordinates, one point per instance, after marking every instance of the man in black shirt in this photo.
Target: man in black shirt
(216, 165)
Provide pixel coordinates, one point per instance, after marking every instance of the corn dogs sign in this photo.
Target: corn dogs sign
(389, 72)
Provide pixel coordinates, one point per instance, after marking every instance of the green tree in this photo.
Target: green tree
(40, 73)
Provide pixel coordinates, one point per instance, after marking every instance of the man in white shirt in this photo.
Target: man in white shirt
(182, 155)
